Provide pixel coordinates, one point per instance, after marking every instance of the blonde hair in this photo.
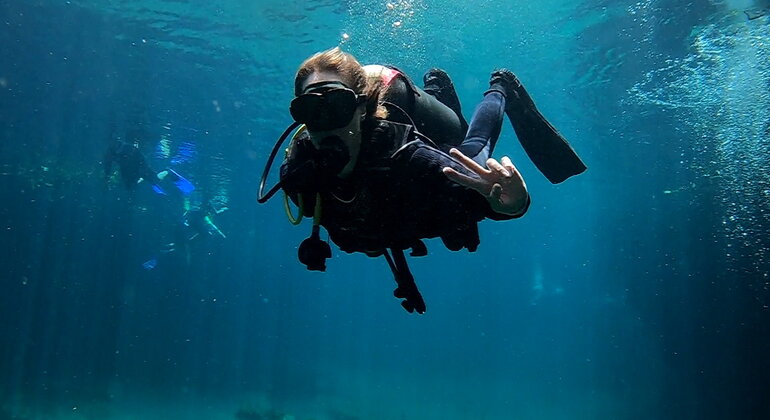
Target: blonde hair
(350, 71)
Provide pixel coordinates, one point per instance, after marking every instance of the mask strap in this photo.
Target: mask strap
(318, 85)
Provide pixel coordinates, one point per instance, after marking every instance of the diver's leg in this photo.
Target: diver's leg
(484, 130)
(437, 83)
(431, 117)
(438, 121)
(180, 182)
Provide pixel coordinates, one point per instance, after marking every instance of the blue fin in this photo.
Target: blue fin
(185, 186)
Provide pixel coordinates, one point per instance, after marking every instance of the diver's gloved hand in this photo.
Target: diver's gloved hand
(501, 184)
(412, 298)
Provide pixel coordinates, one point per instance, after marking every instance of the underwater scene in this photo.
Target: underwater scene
(142, 277)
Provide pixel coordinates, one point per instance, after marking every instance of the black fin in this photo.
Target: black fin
(545, 146)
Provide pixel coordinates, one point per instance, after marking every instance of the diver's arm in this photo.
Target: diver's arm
(145, 171)
(480, 195)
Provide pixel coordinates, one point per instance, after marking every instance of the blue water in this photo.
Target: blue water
(638, 290)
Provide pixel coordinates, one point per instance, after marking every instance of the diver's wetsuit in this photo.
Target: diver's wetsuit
(445, 126)
(131, 163)
(431, 117)
(398, 194)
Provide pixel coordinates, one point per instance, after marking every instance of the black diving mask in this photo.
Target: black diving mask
(325, 106)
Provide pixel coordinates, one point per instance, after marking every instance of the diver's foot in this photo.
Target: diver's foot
(438, 84)
(516, 97)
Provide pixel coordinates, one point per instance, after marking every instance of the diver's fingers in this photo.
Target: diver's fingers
(515, 174)
(495, 166)
(468, 162)
(466, 181)
(507, 164)
(496, 193)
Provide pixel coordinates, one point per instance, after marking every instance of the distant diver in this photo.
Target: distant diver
(382, 164)
(133, 169)
(197, 222)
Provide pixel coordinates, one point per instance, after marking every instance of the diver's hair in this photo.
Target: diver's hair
(352, 74)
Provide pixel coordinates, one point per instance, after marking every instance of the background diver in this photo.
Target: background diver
(197, 222)
(382, 164)
(133, 168)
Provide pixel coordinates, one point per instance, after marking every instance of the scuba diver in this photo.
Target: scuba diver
(196, 222)
(382, 164)
(133, 168)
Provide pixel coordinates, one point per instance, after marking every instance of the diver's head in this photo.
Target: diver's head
(333, 100)
(343, 65)
(333, 114)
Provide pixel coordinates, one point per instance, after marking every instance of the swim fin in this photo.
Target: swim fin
(158, 189)
(185, 186)
(546, 148)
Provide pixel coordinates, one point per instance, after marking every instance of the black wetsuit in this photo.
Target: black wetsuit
(131, 163)
(445, 126)
(398, 194)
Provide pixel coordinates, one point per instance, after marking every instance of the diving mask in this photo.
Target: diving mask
(325, 106)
